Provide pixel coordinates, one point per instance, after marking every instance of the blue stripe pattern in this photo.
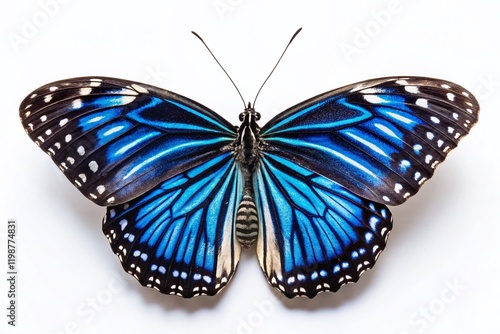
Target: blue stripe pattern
(315, 235)
(179, 237)
(135, 134)
(395, 134)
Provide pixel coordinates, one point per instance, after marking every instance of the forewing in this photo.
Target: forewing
(116, 139)
(315, 235)
(381, 138)
(179, 237)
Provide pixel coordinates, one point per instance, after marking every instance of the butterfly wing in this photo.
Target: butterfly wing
(179, 237)
(381, 139)
(329, 162)
(116, 139)
(314, 234)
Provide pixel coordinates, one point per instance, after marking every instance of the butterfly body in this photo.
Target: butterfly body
(247, 153)
(185, 190)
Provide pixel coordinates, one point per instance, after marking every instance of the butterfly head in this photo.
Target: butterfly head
(249, 116)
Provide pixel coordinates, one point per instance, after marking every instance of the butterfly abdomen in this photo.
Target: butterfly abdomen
(247, 227)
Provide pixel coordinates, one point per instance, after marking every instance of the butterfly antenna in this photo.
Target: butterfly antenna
(201, 39)
(286, 48)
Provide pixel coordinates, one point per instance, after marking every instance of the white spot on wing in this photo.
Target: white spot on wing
(374, 99)
(100, 189)
(85, 91)
(127, 99)
(94, 167)
(81, 150)
(140, 89)
(422, 103)
(370, 91)
(412, 89)
(123, 223)
(95, 82)
(77, 104)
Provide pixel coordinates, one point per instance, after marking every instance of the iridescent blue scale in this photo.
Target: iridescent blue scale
(185, 190)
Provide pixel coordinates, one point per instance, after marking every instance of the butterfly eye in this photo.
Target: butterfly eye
(257, 116)
(242, 117)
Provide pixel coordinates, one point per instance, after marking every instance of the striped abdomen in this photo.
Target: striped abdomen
(247, 222)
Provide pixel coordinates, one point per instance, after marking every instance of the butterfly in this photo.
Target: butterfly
(185, 190)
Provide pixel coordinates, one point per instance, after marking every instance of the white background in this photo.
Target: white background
(440, 270)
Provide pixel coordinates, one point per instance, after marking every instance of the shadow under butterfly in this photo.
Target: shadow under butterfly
(185, 190)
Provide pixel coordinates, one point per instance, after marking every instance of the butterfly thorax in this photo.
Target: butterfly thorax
(246, 148)
(247, 141)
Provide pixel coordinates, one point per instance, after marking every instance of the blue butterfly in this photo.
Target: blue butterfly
(186, 191)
